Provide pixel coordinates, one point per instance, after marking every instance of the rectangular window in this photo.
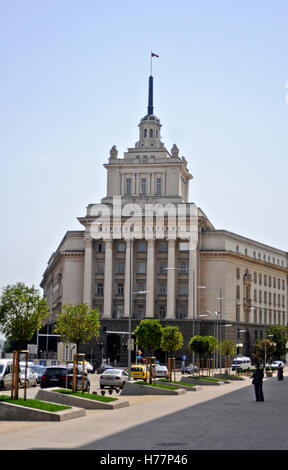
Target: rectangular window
(162, 267)
(120, 267)
(163, 247)
(182, 311)
(183, 288)
(101, 247)
(100, 268)
(100, 288)
(121, 247)
(162, 311)
(143, 186)
(237, 273)
(142, 247)
(120, 288)
(142, 268)
(158, 186)
(255, 277)
(128, 186)
(237, 292)
(162, 288)
(183, 267)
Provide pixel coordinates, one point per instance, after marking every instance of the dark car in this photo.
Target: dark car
(189, 369)
(57, 376)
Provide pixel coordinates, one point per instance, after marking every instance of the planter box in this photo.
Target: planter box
(194, 380)
(132, 389)
(11, 412)
(88, 404)
(187, 387)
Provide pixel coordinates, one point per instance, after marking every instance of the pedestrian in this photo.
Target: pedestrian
(280, 372)
(257, 381)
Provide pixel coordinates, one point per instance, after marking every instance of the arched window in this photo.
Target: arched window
(145, 132)
(156, 132)
(151, 133)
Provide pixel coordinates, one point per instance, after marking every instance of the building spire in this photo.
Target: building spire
(150, 96)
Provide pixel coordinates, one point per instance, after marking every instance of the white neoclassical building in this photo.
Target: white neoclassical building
(145, 251)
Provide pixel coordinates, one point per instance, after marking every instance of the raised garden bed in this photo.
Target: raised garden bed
(209, 381)
(186, 386)
(87, 401)
(144, 388)
(35, 410)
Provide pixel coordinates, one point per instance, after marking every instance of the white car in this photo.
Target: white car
(113, 378)
(275, 364)
(161, 372)
(31, 379)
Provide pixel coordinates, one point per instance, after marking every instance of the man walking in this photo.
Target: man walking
(257, 381)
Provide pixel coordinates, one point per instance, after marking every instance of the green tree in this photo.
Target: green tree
(77, 324)
(227, 348)
(280, 337)
(259, 350)
(203, 345)
(22, 311)
(149, 336)
(172, 340)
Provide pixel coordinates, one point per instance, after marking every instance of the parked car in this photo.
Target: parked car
(190, 370)
(242, 362)
(57, 376)
(138, 371)
(53, 376)
(31, 377)
(159, 371)
(5, 373)
(103, 367)
(39, 371)
(87, 366)
(113, 378)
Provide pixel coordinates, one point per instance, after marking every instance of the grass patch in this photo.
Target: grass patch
(37, 404)
(178, 383)
(208, 379)
(91, 396)
(168, 387)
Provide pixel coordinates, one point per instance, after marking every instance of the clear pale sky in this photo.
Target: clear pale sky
(74, 82)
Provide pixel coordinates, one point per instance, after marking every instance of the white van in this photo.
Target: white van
(242, 362)
(5, 373)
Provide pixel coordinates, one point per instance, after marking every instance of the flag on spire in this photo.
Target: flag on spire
(154, 55)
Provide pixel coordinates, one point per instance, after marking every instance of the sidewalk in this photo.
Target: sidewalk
(220, 417)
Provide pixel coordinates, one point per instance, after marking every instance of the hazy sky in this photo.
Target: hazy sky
(74, 82)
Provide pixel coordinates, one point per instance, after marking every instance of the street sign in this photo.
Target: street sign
(131, 344)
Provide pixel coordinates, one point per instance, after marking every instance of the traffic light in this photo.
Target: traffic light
(104, 329)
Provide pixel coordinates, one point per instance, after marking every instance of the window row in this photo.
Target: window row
(142, 247)
(143, 186)
(161, 288)
(269, 318)
(260, 256)
(266, 280)
(160, 312)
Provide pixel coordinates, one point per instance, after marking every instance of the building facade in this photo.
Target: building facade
(145, 251)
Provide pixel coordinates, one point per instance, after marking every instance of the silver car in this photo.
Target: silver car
(113, 378)
(31, 379)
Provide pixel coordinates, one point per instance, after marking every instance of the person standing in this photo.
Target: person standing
(280, 372)
(257, 381)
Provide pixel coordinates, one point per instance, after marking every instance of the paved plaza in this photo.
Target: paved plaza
(222, 417)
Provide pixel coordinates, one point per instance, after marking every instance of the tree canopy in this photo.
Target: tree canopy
(77, 324)
(172, 339)
(22, 311)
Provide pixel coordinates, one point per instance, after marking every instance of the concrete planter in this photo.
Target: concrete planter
(132, 389)
(187, 387)
(194, 380)
(11, 412)
(88, 404)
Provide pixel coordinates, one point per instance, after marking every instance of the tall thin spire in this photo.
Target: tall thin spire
(150, 96)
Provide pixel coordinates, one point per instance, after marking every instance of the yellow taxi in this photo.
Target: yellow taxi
(138, 371)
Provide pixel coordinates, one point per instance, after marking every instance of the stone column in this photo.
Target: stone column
(192, 284)
(108, 278)
(88, 267)
(128, 273)
(171, 276)
(150, 279)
